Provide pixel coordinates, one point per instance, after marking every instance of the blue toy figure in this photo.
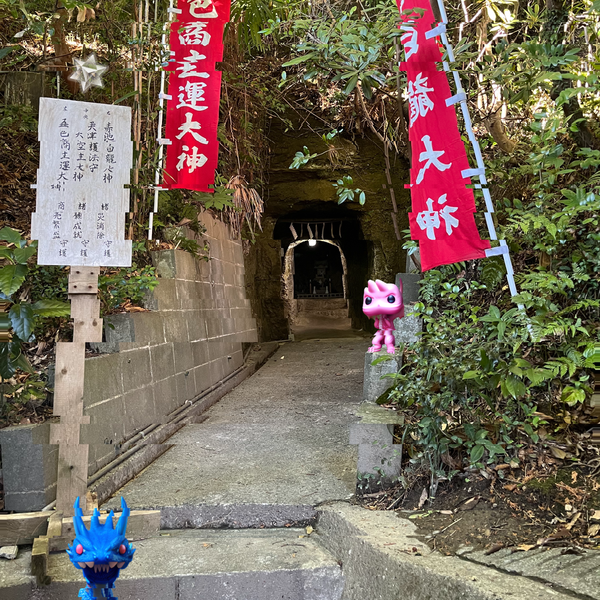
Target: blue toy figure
(101, 552)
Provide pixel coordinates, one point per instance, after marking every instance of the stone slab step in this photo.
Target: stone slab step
(329, 304)
(208, 565)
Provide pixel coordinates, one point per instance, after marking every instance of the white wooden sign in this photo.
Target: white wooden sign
(86, 155)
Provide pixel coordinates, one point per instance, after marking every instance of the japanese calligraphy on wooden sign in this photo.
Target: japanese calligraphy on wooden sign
(443, 207)
(85, 160)
(193, 95)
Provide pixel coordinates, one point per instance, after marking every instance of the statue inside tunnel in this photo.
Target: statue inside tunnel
(383, 302)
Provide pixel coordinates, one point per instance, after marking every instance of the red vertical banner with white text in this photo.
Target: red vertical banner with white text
(443, 207)
(194, 92)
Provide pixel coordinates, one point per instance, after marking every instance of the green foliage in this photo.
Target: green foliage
(23, 316)
(345, 192)
(125, 286)
(350, 47)
(302, 158)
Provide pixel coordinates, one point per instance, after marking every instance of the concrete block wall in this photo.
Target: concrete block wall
(188, 344)
(151, 364)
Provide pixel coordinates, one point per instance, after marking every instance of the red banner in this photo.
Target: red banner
(443, 208)
(192, 113)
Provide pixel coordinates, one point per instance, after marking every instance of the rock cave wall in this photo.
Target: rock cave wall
(368, 238)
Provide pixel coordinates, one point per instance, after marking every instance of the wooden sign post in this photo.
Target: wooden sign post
(86, 156)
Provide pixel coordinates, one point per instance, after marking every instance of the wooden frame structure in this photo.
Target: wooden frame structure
(52, 531)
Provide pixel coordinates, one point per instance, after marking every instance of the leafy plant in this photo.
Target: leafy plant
(22, 315)
(125, 286)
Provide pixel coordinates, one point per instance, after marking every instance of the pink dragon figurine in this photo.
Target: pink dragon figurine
(383, 302)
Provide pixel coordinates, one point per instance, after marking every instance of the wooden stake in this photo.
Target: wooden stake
(68, 390)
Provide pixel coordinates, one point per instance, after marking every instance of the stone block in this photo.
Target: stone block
(216, 250)
(407, 329)
(117, 329)
(203, 270)
(140, 410)
(202, 378)
(186, 386)
(175, 326)
(238, 252)
(205, 290)
(371, 433)
(410, 286)
(216, 271)
(227, 249)
(165, 396)
(375, 384)
(149, 328)
(216, 372)
(200, 352)
(162, 361)
(185, 265)
(135, 369)
(184, 356)
(105, 432)
(29, 467)
(214, 328)
(196, 327)
(237, 359)
(216, 349)
(166, 295)
(384, 462)
(186, 291)
(229, 274)
(165, 263)
(102, 379)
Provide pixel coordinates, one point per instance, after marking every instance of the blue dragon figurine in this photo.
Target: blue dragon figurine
(100, 552)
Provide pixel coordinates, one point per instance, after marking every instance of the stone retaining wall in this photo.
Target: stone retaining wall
(153, 362)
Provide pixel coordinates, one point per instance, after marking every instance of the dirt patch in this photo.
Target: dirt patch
(503, 507)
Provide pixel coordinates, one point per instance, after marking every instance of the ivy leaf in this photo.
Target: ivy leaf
(12, 277)
(51, 308)
(572, 396)
(476, 453)
(22, 319)
(299, 59)
(471, 375)
(515, 387)
(10, 235)
(22, 255)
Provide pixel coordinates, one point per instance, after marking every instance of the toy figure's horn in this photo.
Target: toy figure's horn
(109, 520)
(96, 518)
(122, 524)
(372, 287)
(80, 528)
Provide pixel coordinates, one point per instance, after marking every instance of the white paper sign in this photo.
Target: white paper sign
(86, 156)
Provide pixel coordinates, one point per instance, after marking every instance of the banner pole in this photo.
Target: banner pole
(461, 97)
(161, 102)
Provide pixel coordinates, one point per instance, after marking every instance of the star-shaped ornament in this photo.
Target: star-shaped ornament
(88, 72)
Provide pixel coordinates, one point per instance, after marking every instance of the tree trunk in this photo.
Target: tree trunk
(62, 53)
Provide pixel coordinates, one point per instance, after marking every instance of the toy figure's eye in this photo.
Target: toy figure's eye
(79, 549)
(391, 299)
(368, 300)
(122, 549)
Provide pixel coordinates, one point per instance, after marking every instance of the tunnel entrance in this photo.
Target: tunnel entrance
(317, 269)
(317, 277)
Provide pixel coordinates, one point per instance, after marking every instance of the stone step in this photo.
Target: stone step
(270, 564)
(324, 320)
(313, 306)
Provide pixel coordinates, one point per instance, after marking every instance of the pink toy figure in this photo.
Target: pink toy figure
(383, 302)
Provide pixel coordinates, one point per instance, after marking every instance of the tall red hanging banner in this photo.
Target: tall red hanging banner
(192, 114)
(443, 207)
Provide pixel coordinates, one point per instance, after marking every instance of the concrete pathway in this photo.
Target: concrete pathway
(270, 451)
